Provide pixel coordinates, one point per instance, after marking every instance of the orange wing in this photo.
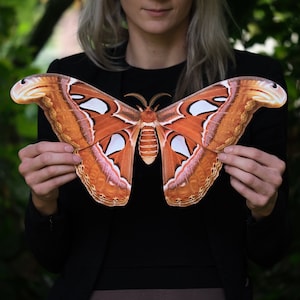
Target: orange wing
(193, 130)
(102, 129)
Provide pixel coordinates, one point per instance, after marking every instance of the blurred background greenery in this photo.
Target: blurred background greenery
(33, 32)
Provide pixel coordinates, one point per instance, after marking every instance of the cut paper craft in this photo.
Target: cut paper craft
(189, 133)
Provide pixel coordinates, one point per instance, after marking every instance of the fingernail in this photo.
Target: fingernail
(69, 148)
(228, 149)
(222, 156)
(77, 159)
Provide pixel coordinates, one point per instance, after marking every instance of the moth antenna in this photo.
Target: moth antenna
(157, 96)
(139, 97)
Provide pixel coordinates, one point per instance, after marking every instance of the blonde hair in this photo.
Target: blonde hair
(102, 30)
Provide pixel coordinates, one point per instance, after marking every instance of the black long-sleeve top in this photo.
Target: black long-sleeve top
(85, 241)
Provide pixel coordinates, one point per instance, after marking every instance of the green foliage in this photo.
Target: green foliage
(280, 21)
(20, 276)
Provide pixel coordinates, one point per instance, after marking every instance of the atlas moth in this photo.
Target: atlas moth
(189, 133)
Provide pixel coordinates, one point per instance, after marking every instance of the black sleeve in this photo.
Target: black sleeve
(48, 238)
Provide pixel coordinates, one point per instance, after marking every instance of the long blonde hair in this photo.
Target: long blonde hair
(102, 29)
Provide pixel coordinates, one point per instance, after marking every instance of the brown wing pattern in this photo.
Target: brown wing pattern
(196, 128)
(102, 132)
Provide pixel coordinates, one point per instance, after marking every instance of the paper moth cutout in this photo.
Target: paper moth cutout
(189, 133)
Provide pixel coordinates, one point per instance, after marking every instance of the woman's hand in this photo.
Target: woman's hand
(256, 175)
(45, 167)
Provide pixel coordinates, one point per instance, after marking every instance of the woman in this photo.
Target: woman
(148, 249)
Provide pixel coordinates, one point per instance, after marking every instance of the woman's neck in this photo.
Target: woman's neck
(155, 52)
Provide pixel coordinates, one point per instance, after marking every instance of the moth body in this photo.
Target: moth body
(148, 144)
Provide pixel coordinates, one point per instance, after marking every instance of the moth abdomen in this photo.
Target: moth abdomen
(148, 144)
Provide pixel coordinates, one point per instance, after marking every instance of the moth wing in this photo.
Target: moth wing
(192, 131)
(102, 129)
